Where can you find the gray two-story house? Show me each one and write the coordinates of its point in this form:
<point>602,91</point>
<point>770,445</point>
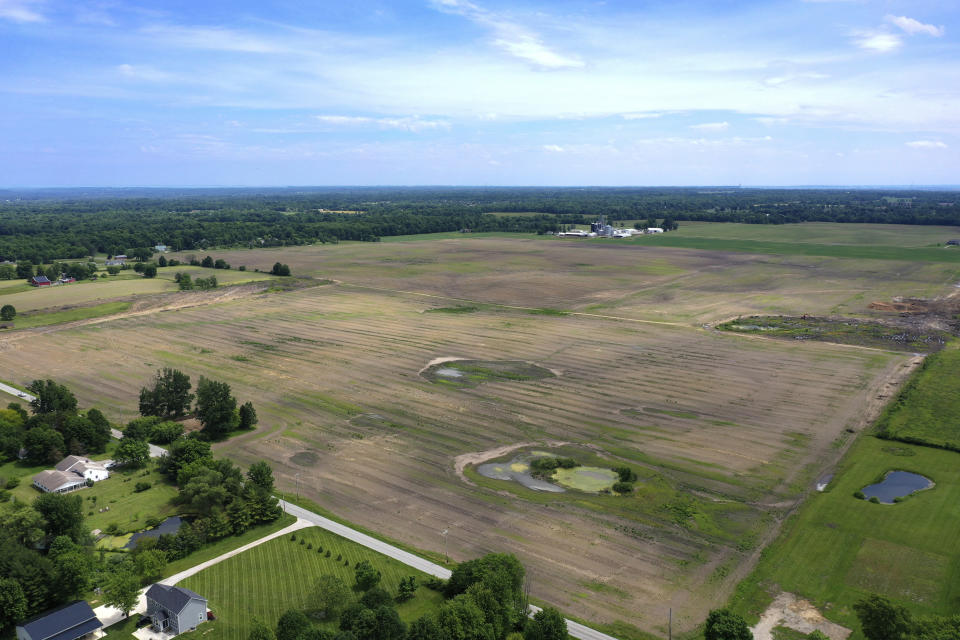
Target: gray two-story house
<point>175,609</point>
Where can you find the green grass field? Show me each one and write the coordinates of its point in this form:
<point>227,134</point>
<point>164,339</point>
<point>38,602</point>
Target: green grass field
<point>275,576</point>
<point>862,252</point>
<point>41,319</point>
<point>926,409</point>
<point>837,549</point>
<point>891,235</point>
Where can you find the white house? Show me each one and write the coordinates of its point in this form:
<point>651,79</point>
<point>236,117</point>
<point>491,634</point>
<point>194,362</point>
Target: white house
<point>654,230</point>
<point>84,467</point>
<point>50,481</point>
<point>160,248</point>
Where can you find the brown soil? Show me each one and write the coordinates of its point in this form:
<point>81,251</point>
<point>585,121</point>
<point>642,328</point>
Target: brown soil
<point>798,614</point>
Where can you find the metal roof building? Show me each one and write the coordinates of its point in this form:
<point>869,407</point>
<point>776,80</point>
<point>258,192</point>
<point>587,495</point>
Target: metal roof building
<point>70,622</point>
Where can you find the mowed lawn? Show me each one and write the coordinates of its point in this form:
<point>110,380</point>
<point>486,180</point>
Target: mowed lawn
<point>838,548</point>
<point>278,575</point>
<point>922,406</point>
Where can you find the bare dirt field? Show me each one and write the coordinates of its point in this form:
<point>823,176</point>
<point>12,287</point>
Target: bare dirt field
<point>631,280</point>
<point>726,432</point>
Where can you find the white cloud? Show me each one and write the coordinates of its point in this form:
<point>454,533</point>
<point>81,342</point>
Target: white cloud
<point>553,148</point>
<point>711,126</point>
<point>877,41</point>
<point>927,144</point>
<point>913,27</point>
<point>414,125</point>
<point>214,38</point>
<point>510,36</point>
<point>20,11</point>
<point>641,116</point>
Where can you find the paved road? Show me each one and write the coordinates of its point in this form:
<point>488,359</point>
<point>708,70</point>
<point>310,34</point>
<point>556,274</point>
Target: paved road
<point>155,451</point>
<point>16,392</point>
<point>577,630</point>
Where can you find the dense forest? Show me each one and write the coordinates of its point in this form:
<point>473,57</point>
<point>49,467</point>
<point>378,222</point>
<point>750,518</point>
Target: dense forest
<point>46,224</point>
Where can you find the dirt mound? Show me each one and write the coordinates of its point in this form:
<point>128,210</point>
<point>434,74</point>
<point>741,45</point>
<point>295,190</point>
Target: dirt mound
<point>789,610</point>
<point>908,306</point>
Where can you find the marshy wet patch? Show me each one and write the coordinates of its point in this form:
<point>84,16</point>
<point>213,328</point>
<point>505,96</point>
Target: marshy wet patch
<point>305,458</point>
<point>470,373</point>
<point>895,486</point>
<point>556,476</point>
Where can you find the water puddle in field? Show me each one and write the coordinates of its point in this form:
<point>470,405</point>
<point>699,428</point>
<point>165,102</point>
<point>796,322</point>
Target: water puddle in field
<point>517,470</point>
<point>897,484</point>
<point>824,481</point>
<point>449,372</point>
<point>169,526</point>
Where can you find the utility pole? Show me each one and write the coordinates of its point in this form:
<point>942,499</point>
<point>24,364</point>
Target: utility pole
<point>444,533</point>
<point>296,477</point>
<point>670,625</point>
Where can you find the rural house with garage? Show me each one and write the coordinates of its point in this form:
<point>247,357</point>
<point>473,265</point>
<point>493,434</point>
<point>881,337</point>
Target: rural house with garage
<point>71,473</point>
<point>84,467</point>
<point>174,609</point>
<point>71,622</point>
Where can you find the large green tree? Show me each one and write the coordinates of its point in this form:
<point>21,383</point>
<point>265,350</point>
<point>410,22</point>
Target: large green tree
<point>132,453</point>
<point>122,591</point>
<point>50,397</point>
<point>13,603</point>
<point>546,624</point>
<point>63,515</point>
<point>881,619</point>
<point>328,597</point>
<point>169,396</point>
<point>216,408</point>
<point>8,312</point>
<point>723,624</point>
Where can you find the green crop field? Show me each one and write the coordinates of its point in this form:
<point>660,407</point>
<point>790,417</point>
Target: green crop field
<point>43,319</point>
<point>926,410</point>
<point>862,252</point>
<point>889,235</point>
<point>267,580</point>
<point>837,549</point>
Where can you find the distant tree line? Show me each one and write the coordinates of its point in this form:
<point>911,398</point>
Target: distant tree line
<point>45,225</point>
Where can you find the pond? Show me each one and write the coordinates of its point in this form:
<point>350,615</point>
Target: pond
<point>517,470</point>
<point>897,484</point>
<point>168,526</point>
<point>449,372</point>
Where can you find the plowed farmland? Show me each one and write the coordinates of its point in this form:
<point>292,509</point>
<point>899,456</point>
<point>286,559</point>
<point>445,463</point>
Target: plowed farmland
<point>726,432</point>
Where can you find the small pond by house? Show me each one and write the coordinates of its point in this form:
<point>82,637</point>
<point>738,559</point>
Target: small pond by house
<point>896,484</point>
<point>169,526</point>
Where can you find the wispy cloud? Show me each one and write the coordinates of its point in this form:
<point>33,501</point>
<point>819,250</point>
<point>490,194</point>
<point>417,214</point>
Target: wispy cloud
<point>553,148</point>
<point>927,144</point>
<point>414,125</point>
<point>877,40</point>
<point>913,27</point>
<point>214,38</point>
<point>711,126</point>
<point>511,36</point>
<point>21,11</point>
<point>641,116</point>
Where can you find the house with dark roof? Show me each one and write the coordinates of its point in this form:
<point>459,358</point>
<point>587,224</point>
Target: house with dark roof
<point>175,610</point>
<point>40,281</point>
<point>70,622</point>
<point>84,467</point>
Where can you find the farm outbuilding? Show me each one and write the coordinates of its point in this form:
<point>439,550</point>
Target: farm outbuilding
<point>40,281</point>
<point>71,622</point>
<point>954,242</point>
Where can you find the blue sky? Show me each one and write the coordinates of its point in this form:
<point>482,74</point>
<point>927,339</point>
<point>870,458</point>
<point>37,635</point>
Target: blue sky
<point>479,92</point>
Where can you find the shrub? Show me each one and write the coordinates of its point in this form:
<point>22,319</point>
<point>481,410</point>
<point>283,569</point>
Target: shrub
<point>567,463</point>
<point>859,495</point>
<point>12,483</point>
<point>89,482</point>
<point>302,541</point>
<point>339,557</point>
<point>141,486</point>
<point>875,500</point>
<point>327,554</point>
<point>623,487</point>
<point>113,528</point>
<point>293,537</point>
<point>309,545</point>
<point>626,474</point>
<point>152,522</point>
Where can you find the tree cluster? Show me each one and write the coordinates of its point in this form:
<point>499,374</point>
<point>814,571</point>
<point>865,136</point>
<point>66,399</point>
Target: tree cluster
<point>56,428</point>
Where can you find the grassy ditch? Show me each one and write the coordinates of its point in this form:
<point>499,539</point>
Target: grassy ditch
<point>841,331</point>
<point>926,409</point>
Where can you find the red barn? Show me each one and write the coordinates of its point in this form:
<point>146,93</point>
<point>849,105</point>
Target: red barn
<point>40,281</point>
